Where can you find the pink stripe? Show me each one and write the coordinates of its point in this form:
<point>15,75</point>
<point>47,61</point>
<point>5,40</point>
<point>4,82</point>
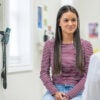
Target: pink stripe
<point>70,75</point>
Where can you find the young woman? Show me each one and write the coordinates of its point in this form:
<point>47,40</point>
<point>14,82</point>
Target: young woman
<point>67,56</point>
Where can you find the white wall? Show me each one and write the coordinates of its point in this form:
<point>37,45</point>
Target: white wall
<point>27,85</point>
<point>1,28</point>
<point>89,12</point>
<point>1,14</point>
<point>52,8</point>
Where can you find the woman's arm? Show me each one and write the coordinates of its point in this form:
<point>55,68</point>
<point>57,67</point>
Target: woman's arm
<point>88,51</point>
<point>45,69</point>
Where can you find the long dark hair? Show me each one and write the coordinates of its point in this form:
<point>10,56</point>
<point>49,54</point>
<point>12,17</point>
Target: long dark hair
<point>58,40</point>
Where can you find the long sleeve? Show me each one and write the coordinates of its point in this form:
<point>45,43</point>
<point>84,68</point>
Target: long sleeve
<point>45,69</point>
<point>88,51</point>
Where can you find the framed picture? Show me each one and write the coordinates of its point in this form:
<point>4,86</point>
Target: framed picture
<point>40,17</point>
<point>93,30</point>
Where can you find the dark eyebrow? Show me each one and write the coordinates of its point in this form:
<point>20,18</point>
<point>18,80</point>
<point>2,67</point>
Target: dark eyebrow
<point>73,19</point>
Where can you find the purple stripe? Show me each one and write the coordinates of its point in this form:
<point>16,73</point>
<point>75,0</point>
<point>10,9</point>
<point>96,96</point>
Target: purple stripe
<point>70,74</point>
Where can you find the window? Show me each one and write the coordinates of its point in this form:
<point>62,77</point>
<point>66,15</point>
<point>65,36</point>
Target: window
<point>19,53</point>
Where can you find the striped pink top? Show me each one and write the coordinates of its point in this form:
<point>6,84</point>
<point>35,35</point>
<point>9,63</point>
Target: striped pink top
<point>70,75</point>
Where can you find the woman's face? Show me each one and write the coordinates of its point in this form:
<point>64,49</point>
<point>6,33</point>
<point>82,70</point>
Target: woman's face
<point>68,22</point>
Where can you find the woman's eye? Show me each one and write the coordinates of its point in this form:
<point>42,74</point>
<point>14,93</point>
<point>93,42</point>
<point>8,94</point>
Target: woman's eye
<point>73,20</point>
<point>66,20</point>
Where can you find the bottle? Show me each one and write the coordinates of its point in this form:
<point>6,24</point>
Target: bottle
<point>45,37</point>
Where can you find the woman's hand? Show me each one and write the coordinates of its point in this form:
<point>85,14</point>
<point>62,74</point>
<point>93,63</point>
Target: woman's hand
<point>60,96</point>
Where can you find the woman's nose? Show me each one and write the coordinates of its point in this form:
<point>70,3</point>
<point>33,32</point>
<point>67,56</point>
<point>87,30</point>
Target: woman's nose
<point>70,23</point>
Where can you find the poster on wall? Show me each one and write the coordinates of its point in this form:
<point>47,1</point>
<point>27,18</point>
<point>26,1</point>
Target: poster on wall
<point>39,22</point>
<point>93,30</point>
